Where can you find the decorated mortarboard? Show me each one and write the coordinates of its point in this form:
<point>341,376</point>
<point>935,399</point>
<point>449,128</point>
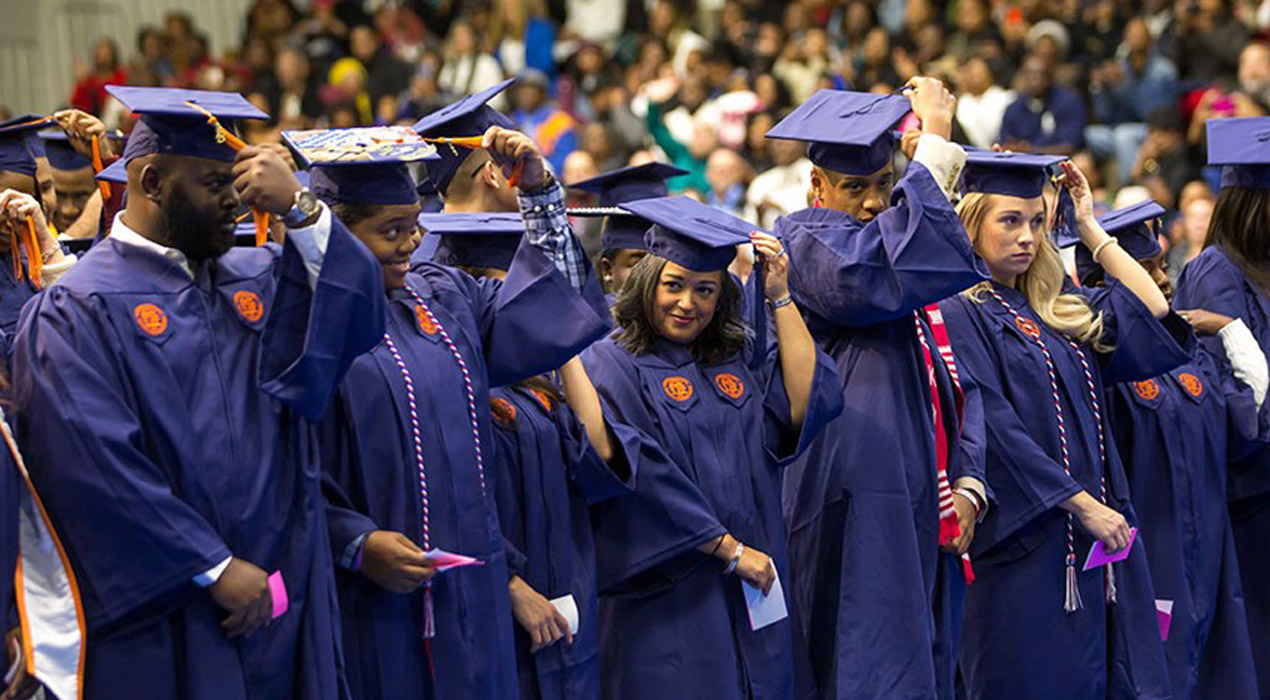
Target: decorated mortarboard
<point>689,233</point>
<point>18,143</point>
<point>475,239</point>
<point>1242,147</point>
<point>848,132</point>
<point>61,154</point>
<point>1133,229</point>
<point>1022,175</point>
<point>454,127</point>
<point>366,165</point>
<point>626,185</point>
<point>197,123</point>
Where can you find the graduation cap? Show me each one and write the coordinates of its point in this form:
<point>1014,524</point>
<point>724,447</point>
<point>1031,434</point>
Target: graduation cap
<point>1132,229</point>
<point>61,154</point>
<point>180,122</point>
<point>430,199</point>
<point>366,165</point>
<point>19,143</point>
<point>1242,147</point>
<point>626,185</point>
<point>1022,175</point>
<point>849,132</point>
<point>475,239</point>
<point>468,117</point>
<point>689,233</point>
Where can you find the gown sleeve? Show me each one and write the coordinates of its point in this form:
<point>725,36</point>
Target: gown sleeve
<point>646,540</point>
<point>594,479</point>
<point>972,444</point>
<point>509,484</point>
<point>1025,479</point>
<point>784,442</point>
<point>1142,345</point>
<point>316,328</point>
<point>346,524</point>
<point>138,546</point>
<point>1213,283</point>
<point>852,274</point>
<point>534,320</point>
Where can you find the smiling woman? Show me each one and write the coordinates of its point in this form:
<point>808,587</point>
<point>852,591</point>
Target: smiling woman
<point>700,310</point>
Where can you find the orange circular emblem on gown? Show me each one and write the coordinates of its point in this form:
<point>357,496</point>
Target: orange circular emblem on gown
<point>1029,327</point>
<point>543,398</point>
<point>248,305</point>
<point>426,324</point>
<point>150,318</point>
<point>730,384</point>
<point>677,388</point>
<point>1147,390</point>
<point>1191,383</point>
<point>503,411</point>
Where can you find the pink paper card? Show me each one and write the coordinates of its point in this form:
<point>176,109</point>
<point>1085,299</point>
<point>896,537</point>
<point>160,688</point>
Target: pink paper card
<point>279,591</point>
<point>1164,612</point>
<point>444,561</point>
<point>1098,553</point>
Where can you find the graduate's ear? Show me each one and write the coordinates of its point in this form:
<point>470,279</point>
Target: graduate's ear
<point>817,193</point>
<point>490,176</point>
<point>150,180</point>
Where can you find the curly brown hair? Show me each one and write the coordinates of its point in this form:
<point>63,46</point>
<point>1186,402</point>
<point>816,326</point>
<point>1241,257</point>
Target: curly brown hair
<point>1239,222</point>
<point>721,339</point>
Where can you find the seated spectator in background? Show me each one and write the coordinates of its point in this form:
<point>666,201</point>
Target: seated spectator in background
<point>346,87</point>
<point>802,63</point>
<point>1222,102</point>
<point>1209,40</point>
<point>386,74</point>
<point>1254,72</point>
<point>542,120</point>
<point>466,69</point>
<point>783,188</point>
<point>1163,153</point>
<point>691,157</point>
<point>728,175</point>
<point>981,102</point>
<point>1190,229</point>
<point>1047,117</point>
<point>598,143</point>
<point>974,26</point>
<point>89,94</point>
<point>1126,92</point>
<point>423,96</point>
<point>873,62</point>
<point>292,90</point>
<point>151,64</point>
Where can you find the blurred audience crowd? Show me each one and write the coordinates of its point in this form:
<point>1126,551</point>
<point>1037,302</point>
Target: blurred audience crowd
<point>1123,86</point>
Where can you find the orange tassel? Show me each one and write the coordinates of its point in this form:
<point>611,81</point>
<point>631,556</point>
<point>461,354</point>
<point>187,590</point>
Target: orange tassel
<point>34,259</point>
<point>261,220</point>
<point>98,166</point>
<point>475,142</point>
<point>15,251</point>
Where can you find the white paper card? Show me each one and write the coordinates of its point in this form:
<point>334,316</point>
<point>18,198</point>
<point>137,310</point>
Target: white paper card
<point>569,608</point>
<point>765,609</point>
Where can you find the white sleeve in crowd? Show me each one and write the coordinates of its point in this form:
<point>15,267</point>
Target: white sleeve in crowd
<point>311,242</point>
<point>943,159</point>
<point>1246,358</point>
<point>52,272</point>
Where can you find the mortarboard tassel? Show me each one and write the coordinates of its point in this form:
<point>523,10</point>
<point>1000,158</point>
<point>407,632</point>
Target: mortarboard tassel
<point>1073,602</point>
<point>15,251</point>
<point>34,259</point>
<point>227,137</point>
<point>475,142</point>
<point>98,166</point>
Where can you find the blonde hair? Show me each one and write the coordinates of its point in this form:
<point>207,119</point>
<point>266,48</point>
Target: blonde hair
<point>1042,282</point>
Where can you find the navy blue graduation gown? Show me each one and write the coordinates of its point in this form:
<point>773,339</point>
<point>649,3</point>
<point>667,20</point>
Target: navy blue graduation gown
<point>167,423</point>
<point>717,437</point>
<point>1018,643</point>
<point>1171,431</point>
<point>14,294</point>
<point>548,474</point>
<point>9,503</point>
<point>529,323</point>
<point>1213,282</point>
<point>872,586</point>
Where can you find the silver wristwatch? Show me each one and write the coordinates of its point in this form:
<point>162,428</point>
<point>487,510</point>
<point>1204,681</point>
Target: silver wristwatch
<point>304,207</point>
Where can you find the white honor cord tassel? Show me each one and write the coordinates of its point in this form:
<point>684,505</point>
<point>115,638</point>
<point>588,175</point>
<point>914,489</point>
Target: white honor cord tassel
<point>1111,584</point>
<point>1073,601</point>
